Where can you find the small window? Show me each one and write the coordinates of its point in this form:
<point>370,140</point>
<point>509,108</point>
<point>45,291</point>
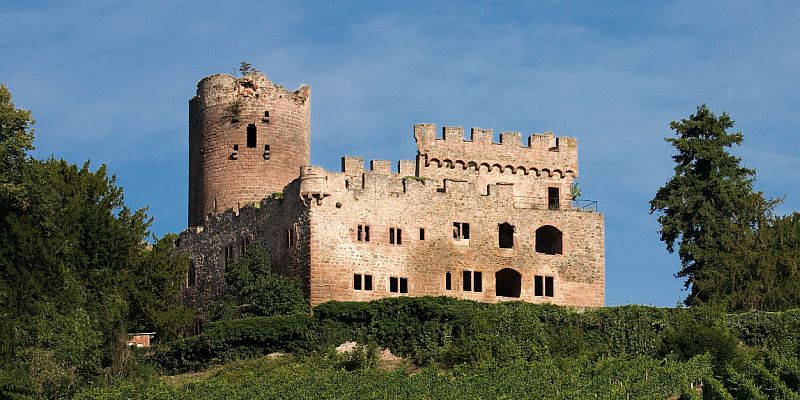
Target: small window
<point>398,285</point>
<point>460,231</point>
<point>506,233</point>
<point>448,281</point>
<point>266,152</point>
<point>266,114</point>
<point>363,233</point>
<point>552,198</point>
<point>228,251</point>
<point>362,282</point>
<point>395,236</point>
<point>543,286</point>
<point>251,135</point>
<point>421,233</point>
<point>291,237</point>
<point>472,281</point>
<point>191,277</point>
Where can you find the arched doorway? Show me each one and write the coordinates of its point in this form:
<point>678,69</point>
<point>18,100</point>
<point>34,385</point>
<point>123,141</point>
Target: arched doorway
<point>507,283</point>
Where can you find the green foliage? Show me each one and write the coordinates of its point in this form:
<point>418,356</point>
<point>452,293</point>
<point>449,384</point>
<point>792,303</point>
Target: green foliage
<point>416,178</point>
<point>574,190</point>
<point>71,255</point>
<point>155,291</point>
<point>235,339</point>
<point>253,289</point>
<point>735,254</point>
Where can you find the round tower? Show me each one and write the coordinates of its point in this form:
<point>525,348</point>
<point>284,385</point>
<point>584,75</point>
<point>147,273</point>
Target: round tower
<point>248,138</point>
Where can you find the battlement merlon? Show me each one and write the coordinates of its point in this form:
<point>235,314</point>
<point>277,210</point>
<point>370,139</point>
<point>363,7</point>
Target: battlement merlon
<point>543,151</point>
<point>223,89</point>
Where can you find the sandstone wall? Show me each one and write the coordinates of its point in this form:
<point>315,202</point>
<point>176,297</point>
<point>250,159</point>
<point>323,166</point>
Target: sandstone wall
<point>224,173</point>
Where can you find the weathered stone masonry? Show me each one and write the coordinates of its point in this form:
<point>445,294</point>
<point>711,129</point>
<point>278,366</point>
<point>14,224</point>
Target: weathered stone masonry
<point>469,218</point>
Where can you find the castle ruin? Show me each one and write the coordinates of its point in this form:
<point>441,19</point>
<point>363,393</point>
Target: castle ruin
<point>468,218</point>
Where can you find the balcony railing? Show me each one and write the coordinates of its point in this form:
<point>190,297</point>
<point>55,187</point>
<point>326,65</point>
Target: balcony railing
<point>549,203</point>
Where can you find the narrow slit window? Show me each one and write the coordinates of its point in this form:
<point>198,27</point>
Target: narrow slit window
<point>391,235</point>
<point>421,233</point>
<point>467,281</point>
<point>367,282</point>
<point>191,278</point>
<point>448,281</point>
<point>266,151</point>
<point>548,286</point>
<point>251,135</point>
<point>403,285</point>
<point>477,281</point>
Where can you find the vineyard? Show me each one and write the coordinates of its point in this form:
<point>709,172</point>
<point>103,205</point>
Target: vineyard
<point>463,349</point>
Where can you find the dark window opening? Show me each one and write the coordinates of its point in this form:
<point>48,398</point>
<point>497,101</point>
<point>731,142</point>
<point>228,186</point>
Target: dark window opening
<point>403,285</point>
<point>363,233</point>
<point>367,282</point>
<point>552,198</point>
<point>393,284</point>
<point>228,254</point>
<point>198,327</point>
<point>473,281</point>
<point>460,230</point>
<point>448,281</point>
<point>395,236</point>
<point>421,233</point>
<point>266,117</point>
<point>543,286</point>
<point>251,135</point>
<point>191,278</point>
<point>506,232</point>
<point>266,151</point>
<point>235,154</point>
<point>508,283</point>
<point>549,240</point>
<point>357,281</point>
<point>291,238</point>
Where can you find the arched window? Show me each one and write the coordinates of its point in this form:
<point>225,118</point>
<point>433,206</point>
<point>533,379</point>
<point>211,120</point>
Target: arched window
<point>191,276</point>
<point>448,281</point>
<point>506,232</point>
<point>548,240</point>
<point>508,283</point>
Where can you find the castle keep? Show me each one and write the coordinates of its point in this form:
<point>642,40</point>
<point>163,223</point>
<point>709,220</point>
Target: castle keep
<point>468,218</point>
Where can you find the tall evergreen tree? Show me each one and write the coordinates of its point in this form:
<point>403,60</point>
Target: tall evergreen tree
<point>709,208</point>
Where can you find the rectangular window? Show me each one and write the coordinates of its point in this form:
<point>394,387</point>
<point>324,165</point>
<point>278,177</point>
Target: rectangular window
<point>403,285</point>
<point>251,135</point>
<point>543,286</point>
<point>472,281</point>
<point>421,233</point>
<point>291,238</point>
<point>228,254</point>
<point>552,198</point>
<point>448,281</point>
<point>393,284</point>
<point>266,152</point>
<point>460,230</point>
<point>362,282</point>
<point>363,233</point>
<point>395,236</point>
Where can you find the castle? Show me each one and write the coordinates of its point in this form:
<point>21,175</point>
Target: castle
<point>469,218</point>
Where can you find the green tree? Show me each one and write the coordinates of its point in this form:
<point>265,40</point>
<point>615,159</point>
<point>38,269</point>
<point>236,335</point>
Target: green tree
<point>155,291</point>
<point>16,140</point>
<point>254,289</point>
<point>709,208</point>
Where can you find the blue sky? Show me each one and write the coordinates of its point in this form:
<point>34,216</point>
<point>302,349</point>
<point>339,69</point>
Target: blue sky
<point>110,82</point>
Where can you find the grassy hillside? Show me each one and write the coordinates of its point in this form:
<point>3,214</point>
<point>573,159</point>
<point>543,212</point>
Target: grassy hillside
<point>465,349</point>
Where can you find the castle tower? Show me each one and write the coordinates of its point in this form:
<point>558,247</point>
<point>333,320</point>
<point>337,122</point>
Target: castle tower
<point>248,138</point>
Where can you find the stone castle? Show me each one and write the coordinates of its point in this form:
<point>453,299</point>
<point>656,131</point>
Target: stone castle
<point>468,218</point>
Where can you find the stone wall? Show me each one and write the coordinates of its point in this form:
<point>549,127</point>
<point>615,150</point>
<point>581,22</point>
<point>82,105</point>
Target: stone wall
<point>224,172</point>
<point>382,200</point>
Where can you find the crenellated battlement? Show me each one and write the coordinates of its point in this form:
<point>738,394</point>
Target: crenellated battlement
<point>543,152</point>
